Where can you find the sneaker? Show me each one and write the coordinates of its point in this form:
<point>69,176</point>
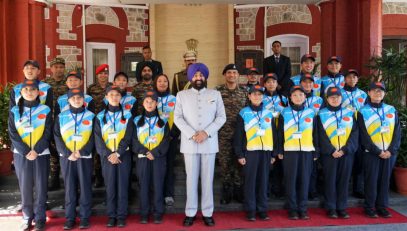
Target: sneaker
<point>121,223</point>
<point>158,219</point>
<point>371,213</point>
<point>264,216</point>
<point>169,201</point>
<point>303,215</point>
<point>26,225</point>
<point>332,214</point>
<point>69,224</point>
<point>111,222</point>
<point>251,216</point>
<point>383,213</point>
<point>39,225</point>
<point>343,214</point>
<point>293,215</point>
<point>84,224</point>
<point>144,219</point>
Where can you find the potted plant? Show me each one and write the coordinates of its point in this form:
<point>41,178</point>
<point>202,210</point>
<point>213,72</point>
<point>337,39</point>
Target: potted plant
<point>6,156</point>
<point>391,68</point>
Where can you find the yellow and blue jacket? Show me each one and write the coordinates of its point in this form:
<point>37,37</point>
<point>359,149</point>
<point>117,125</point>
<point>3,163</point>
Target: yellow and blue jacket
<point>113,131</point>
<point>297,130</point>
<point>337,130</point>
<point>45,94</point>
<point>329,80</point>
<point>166,107</point>
<point>275,103</point>
<point>63,104</point>
<point>150,136</point>
<point>74,123</point>
<point>313,102</point>
<point>353,98</point>
<point>32,130</point>
<point>379,127</point>
<point>127,101</point>
<point>255,131</point>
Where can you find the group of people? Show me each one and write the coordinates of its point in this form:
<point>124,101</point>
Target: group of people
<point>254,128</point>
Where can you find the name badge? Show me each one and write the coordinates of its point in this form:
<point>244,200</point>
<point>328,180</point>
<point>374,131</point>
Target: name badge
<point>341,131</point>
<point>275,114</point>
<point>384,129</point>
<point>351,108</point>
<point>166,115</point>
<point>297,135</point>
<point>141,156</point>
<point>29,128</point>
<point>77,138</point>
<point>261,132</point>
<point>112,135</point>
<point>152,139</point>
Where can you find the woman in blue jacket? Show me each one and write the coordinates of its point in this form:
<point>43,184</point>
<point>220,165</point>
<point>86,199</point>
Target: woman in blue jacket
<point>150,144</point>
<point>29,125</point>
<point>113,131</point>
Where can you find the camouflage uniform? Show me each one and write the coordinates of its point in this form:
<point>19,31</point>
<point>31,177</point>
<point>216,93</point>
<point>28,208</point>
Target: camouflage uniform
<point>58,88</point>
<point>98,94</point>
<point>138,93</point>
<point>179,82</point>
<point>234,101</point>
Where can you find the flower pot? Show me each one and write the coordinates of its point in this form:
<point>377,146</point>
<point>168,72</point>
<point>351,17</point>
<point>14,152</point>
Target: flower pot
<point>6,158</point>
<point>400,176</point>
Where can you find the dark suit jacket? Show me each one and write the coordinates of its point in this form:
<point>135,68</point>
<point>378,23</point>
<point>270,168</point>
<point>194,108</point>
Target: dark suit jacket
<point>158,69</point>
<point>282,69</point>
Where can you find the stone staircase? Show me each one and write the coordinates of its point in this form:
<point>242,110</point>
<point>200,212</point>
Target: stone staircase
<point>10,197</point>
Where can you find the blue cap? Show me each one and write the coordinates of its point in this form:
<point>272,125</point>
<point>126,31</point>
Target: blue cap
<point>256,87</point>
<point>377,85</point>
<point>75,91</point>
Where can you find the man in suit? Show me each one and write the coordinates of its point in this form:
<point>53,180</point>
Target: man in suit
<point>281,65</point>
<point>199,114</point>
<point>147,58</point>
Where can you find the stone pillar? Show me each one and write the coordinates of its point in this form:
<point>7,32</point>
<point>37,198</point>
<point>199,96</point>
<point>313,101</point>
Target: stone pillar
<point>22,37</point>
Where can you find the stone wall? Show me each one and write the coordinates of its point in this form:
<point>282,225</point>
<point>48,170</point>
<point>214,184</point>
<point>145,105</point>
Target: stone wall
<point>64,20</point>
<point>137,27</point>
<point>70,54</point>
<point>101,15</point>
<point>394,7</point>
<point>317,49</point>
<point>246,20</point>
<point>288,13</point>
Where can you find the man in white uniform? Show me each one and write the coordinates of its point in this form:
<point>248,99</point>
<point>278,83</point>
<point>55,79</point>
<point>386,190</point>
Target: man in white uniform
<point>199,114</point>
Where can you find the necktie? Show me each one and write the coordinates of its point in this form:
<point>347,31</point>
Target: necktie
<point>277,59</point>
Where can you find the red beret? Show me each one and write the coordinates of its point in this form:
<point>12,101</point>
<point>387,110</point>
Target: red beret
<point>102,67</point>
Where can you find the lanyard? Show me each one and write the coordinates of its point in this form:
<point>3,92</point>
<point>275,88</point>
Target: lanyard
<point>308,103</point>
<point>333,80</point>
<point>382,119</point>
<point>350,98</point>
<point>151,126</point>
<point>123,99</point>
<point>338,120</point>
<point>258,116</point>
<point>299,117</point>
<point>273,99</point>
<point>114,119</point>
<point>163,102</point>
<point>75,118</point>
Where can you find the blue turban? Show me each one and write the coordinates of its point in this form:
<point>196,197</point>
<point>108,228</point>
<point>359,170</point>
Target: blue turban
<point>194,68</point>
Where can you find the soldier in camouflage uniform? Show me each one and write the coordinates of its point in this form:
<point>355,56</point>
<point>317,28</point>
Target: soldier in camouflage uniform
<point>234,98</point>
<point>180,81</point>
<point>146,83</point>
<point>57,83</point>
<point>97,91</point>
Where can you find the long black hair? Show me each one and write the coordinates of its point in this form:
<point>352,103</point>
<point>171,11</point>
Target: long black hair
<point>106,109</point>
<point>20,104</point>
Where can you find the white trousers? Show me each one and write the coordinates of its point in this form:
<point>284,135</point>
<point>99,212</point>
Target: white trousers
<point>199,164</point>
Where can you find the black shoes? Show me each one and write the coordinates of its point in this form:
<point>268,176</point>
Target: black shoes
<point>121,223</point>
<point>332,214</point>
<point>264,216</point>
<point>69,225</point>
<point>343,214</point>
<point>84,224</point>
<point>371,213</point>
<point>158,219</point>
<point>293,215</point>
<point>383,213</point>
<point>303,215</point>
<point>39,225</point>
<point>227,194</point>
<point>143,219</point>
<point>188,221</point>
<point>111,222</point>
<point>209,221</point>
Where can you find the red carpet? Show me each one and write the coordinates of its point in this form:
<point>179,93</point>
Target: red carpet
<point>236,220</point>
